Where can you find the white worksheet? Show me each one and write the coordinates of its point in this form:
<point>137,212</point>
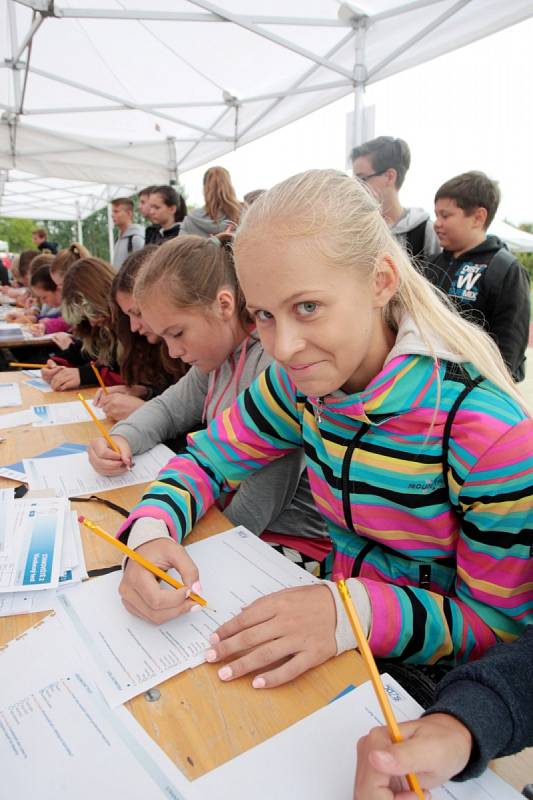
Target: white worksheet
<point>31,540</point>
<point>129,655</point>
<point>315,758</point>
<point>10,395</point>
<point>58,738</point>
<point>73,475</point>
<point>64,413</point>
<point>16,418</point>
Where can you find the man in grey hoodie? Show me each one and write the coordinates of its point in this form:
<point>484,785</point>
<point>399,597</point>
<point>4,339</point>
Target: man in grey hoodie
<point>130,236</point>
<point>382,163</point>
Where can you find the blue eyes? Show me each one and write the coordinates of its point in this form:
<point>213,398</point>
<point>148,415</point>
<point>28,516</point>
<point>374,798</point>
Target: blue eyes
<point>263,316</point>
<point>305,309</point>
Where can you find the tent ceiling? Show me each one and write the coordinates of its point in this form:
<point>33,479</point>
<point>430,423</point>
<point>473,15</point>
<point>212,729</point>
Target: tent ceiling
<point>132,92</point>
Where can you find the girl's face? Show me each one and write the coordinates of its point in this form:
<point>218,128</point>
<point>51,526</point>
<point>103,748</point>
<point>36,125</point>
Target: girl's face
<point>128,306</point>
<point>203,338</point>
<point>48,297</point>
<point>321,323</point>
<point>160,213</point>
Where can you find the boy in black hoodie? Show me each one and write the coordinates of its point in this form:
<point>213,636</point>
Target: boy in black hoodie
<point>476,271</point>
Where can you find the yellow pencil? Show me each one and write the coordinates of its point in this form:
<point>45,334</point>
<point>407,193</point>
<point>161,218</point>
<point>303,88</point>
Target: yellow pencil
<point>29,366</point>
<point>366,652</point>
<point>99,425</point>
<point>99,377</point>
<point>164,576</point>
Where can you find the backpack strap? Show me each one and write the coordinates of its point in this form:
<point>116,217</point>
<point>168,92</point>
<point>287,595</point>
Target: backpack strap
<point>415,240</point>
<point>457,373</point>
<point>130,243</point>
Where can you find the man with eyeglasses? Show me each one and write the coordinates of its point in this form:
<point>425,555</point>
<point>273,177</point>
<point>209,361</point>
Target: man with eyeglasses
<point>382,164</point>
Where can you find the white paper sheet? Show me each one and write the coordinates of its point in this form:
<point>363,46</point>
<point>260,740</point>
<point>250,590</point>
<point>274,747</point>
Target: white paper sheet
<point>59,740</point>
<point>315,758</point>
<point>64,413</point>
<point>73,475</point>
<point>10,395</point>
<point>129,655</point>
<point>31,539</point>
<point>16,418</point>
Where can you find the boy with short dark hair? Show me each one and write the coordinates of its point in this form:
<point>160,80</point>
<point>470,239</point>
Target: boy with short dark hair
<point>477,272</point>
<point>130,235</point>
<point>40,240</point>
<point>382,164</point>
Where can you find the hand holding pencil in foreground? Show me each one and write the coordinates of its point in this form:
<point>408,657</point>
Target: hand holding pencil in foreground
<point>436,747</point>
<point>384,702</point>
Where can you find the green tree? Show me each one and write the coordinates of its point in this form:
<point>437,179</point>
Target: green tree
<point>17,233</point>
<point>61,231</point>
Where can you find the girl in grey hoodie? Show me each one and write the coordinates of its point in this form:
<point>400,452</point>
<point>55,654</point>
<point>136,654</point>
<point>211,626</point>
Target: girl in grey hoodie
<point>189,296</point>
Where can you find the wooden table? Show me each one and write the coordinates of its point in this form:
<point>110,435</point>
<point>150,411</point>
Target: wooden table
<point>198,721</point>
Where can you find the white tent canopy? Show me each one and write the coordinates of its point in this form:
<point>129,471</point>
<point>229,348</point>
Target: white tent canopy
<point>130,92</point>
<point>517,240</point>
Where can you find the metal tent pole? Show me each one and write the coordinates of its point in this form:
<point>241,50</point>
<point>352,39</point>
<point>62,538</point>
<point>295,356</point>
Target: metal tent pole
<point>110,232</point>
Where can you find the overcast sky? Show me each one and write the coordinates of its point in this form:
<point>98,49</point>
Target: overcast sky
<point>471,109</point>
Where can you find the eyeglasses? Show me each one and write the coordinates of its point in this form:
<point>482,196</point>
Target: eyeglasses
<point>366,178</point>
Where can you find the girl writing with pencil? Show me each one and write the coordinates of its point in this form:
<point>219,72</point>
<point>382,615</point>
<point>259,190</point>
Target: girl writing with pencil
<point>418,449</point>
<point>145,366</point>
<point>86,289</point>
<point>188,294</point>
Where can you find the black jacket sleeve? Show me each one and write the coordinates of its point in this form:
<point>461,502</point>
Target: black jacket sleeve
<point>493,697</point>
<point>510,316</point>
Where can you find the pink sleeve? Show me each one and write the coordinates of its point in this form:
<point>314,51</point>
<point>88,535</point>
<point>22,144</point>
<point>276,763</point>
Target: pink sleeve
<point>55,325</point>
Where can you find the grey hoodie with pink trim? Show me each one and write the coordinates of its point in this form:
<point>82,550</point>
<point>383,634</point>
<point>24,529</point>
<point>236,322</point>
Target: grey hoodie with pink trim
<point>278,497</point>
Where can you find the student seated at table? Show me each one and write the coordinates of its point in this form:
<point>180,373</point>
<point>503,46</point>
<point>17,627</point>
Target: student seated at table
<point>49,295</point>
<point>64,261</point>
<point>85,305</point>
<point>482,710</point>
<point>188,294</point>
<point>21,275</point>
<point>418,450</point>
<point>30,305</point>
<point>145,366</point>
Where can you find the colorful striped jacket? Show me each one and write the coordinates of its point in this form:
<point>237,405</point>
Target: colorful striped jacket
<point>448,570</point>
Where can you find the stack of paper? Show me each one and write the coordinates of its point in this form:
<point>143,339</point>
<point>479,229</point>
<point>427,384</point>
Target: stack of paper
<point>40,553</point>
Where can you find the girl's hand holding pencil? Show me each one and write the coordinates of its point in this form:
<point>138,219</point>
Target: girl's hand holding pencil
<point>106,460</point>
<point>143,595</point>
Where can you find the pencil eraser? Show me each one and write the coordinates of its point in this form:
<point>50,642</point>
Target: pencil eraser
<point>81,518</point>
